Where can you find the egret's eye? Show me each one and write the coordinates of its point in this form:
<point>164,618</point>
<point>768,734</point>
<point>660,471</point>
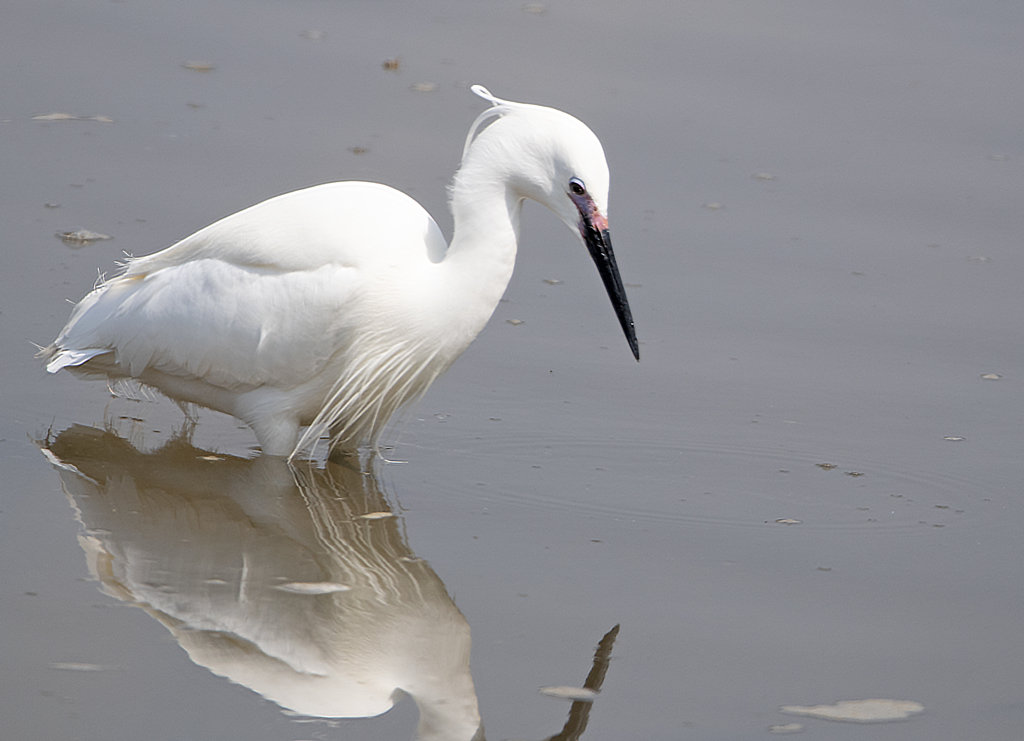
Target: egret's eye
<point>577,187</point>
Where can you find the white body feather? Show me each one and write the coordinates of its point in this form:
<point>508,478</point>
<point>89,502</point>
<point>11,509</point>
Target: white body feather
<point>329,307</point>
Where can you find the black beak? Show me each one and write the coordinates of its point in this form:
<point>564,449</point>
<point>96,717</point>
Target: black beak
<point>599,244</point>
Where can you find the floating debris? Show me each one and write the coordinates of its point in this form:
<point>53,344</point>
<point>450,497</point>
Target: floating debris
<point>313,587</point>
<point>553,281</point>
<point>954,438</point>
<point>199,66</point>
<point>576,694</point>
<point>826,466</point>
<point>535,8</point>
<point>391,65</point>
<point>786,728</point>
<point>358,150</point>
<point>788,521</point>
<point>991,376</point>
<point>714,206</point>
<point>75,666</point>
<point>424,87</point>
<point>763,176</point>
<point>859,711</point>
<point>376,515</point>
<point>855,474</point>
<point>514,322</point>
<point>70,117</point>
<point>81,237</point>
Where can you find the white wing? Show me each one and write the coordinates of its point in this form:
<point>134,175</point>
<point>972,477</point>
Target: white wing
<point>264,296</point>
<point>354,224</point>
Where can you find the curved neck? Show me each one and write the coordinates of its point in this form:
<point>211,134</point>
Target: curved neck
<point>482,253</point>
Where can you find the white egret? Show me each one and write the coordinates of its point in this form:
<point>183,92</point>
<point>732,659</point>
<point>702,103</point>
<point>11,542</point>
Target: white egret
<point>332,307</point>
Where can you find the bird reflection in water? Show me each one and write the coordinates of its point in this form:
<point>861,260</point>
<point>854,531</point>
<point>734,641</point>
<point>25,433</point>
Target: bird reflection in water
<point>295,581</point>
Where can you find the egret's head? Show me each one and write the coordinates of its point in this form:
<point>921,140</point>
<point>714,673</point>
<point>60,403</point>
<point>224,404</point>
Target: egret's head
<point>546,155</point>
<point>552,158</point>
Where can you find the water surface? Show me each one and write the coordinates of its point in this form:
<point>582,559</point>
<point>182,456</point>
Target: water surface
<point>807,491</point>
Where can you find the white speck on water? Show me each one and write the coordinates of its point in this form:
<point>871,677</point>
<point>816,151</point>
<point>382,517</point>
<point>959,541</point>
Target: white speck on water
<point>75,666</point>
<point>71,117</point>
<point>576,694</point>
<point>81,237</point>
<point>786,728</point>
<point>314,587</point>
<point>376,515</point>
<point>859,711</point>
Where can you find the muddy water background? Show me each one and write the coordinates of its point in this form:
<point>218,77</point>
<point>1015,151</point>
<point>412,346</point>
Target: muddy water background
<point>817,209</point>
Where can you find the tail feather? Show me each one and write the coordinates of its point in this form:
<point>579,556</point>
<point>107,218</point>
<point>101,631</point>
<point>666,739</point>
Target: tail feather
<point>64,358</point>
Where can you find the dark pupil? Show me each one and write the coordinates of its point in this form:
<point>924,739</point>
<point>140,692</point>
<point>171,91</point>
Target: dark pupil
<point>577,187</point>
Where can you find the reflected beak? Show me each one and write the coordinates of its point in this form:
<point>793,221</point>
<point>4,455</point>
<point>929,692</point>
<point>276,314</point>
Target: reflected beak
<point>594,228</point>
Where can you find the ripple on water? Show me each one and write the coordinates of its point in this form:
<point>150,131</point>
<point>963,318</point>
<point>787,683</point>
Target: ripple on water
<point>719,484</point>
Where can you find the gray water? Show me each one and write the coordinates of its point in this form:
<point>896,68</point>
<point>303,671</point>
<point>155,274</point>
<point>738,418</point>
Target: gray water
<point>807,490</point>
